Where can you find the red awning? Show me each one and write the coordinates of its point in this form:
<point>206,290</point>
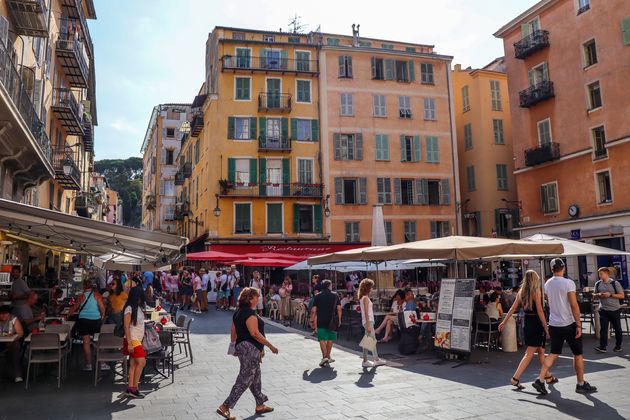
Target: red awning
<point>264,262</point>
<point>303,250</point>
<point>212,256</point>
<point>273,255</point>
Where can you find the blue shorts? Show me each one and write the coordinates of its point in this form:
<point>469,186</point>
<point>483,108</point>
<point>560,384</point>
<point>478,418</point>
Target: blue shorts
<point>236,292</point>
<point>223,295</point>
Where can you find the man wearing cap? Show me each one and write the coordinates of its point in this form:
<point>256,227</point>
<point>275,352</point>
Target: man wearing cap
<point>10,326</point>
<point>564,325</point>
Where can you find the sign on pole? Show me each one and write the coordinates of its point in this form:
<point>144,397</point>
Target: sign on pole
<point>454,319</point>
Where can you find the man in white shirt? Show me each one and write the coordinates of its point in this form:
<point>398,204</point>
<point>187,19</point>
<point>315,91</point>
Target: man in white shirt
<point>204,290</point>
<point>564,325</point>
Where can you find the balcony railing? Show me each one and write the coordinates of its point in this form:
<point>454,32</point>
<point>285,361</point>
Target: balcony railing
<point>537,93</point>
<point>533,42</point>
<point>601,153</point>
<point>182,209</point>
<point>85,204</point>
<point>196,124</point>
<point>268,64</point>
<point>11,81</point>
<point>67,172</point>
<point>88,136</point>
<point>179,178</point>
<point>72,56</point>
<point>74,10</point>
<point>274,102</point>
<point>187,170</point>
<point>274,144</point>
<point>30,17</point>
<point>270,189</point>
<point>68,111</point>
<point>542,154</point>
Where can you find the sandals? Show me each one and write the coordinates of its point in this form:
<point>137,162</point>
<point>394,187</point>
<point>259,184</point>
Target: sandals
<point>225,414</point>
<point>265,409</point>
<point>551,379</point>
<point>517,383</point>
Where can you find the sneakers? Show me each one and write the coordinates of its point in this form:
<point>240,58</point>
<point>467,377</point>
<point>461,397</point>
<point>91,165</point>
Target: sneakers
<point>18,379</point>
<point>540,387</point>
<point>367,364</point>
<point>331,360</point>
<point>617,349</point>
<point>600,349</point>
<point>380,362</point>
<point>323,362</point>
<point>585,388</point>
<point>87,368</point>
<point>134,394</point>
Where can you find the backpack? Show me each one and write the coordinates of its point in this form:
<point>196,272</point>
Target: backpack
<point>151,341</point>
<point>614,283</point>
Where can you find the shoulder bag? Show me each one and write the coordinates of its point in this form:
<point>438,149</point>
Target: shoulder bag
<point>334,321</point>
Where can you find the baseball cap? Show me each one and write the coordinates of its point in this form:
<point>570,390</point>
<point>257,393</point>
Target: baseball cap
<point>557,264</point>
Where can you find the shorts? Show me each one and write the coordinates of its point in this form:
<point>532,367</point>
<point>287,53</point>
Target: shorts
<point>324,334</point>
<point>137,353</point>
<point>187,291</point>
<point>88,326</point>
<point>173,289</point>
<point>223,294</point>
<point>561,334</point>
<point>236,292</point>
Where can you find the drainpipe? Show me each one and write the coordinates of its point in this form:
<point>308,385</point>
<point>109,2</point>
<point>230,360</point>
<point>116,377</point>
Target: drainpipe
<point>454,157</point>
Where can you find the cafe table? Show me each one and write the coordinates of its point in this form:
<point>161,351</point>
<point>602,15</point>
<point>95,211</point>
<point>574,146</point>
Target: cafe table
<point>8,338</point>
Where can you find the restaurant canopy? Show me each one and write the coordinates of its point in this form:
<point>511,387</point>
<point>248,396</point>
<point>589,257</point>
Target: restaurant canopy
<point>264,262</point>
<point>79,235</point>
<point>448,248</point>
<point>212,256</point>
<point>275,255</point>
<point>350,266</point>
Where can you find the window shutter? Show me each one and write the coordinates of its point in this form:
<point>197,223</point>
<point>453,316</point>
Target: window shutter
<point>349,66</point>
<point>262,176</point>
<point>359,146</point>
<point>314,130</point>
<point>446,229</point>
<point>262,128</point>
<point>530,76</point>
<point>373,67</point>
<point>525,30</point>
<point>387,187</point>
<point>397,193</point>
<point>286,177</point>
<point>497,222</point>
<point>434,233</point>
<point>253,171</point>
<point>231,128</point>
<point>417,151</point>
<point>252,128</point>
<point>545,71</point>
<point>296,218</point>
<point>337,145</point>
<point>625,30</point>
<point>385,146</point>
<point>342,67</point>
<point>294,129</point>
<point>445,192</point>
<point>4,31</point>
<point>362,190</point>
<point>403,154</point>
<point>389,69</point>
<point>285,128</point>
<point>338,190</point>
<point>285,59</point>
<point>317,218</point>
<point>37,95</point>
<point>263,57</point>
<point>231,170</point>
<point>412,71</point>
<point>543,206</point>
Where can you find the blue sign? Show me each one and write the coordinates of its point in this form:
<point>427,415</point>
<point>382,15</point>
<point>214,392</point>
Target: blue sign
<point>576,234</point>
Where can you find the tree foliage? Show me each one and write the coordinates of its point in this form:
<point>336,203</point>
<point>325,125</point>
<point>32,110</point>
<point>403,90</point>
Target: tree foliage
<point>125,177</point>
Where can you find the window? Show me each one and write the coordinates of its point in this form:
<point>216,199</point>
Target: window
<point>410,231</point>
<point>350,190</point>
<point>352,232</point>
<point>407,197</point>
<point>426,70</point>
<point>599,142</point>
<point>243,58</point>
<point>403,70</point>
<point>433,150</point>
<point>345,67</point>
<point>440,229</point>
<point>502,180</point>
<point>303,91</point>
<point>625,30</point>
<point>366,44</point>
<point>470,178</point>
<point>167,187</point>
<point>429,109</point>
<point>379,105</point>
<point>332,41</point>
<point>410,49</point>
<point>538,75</point>
<point>348,146</point>
<point>378,71</point>
<point>387,46</point>
<point>274,218</point>
<point>303,61</point>
<point>242,169</point>
<point>197,151</point>
<point>388,232</point>
<point>170,157</point>
<point>307,219</point>
<point>549,198</point>
<point>304,130</point>
<point>242,218</point>
<point>242,88</point>
<point>468,140</point>
<point>346,104</point>
<point>305,171</point>
<point>384,190</point>
<point>268,38</point>
<point>294,40</point>
<point>603,187</point>
<point>594,96</point>
<point>583,6</point>
<point>404,106</point>
<point>495,90</point>
<point>243,127</point>
<point>465,99</point>
<point>590,53</point>
<point>497,128</point>
<point>382,147</point>
<point>410,149</point>
<point>238,35</point>
<point>170,132</point>
<point>544,132</point>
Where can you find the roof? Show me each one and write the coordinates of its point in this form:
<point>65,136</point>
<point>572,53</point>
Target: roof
<point>535,9</point>
<point>260,31</point>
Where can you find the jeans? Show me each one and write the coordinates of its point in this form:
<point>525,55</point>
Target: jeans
<point>610,317</point>
<point>373,335</point>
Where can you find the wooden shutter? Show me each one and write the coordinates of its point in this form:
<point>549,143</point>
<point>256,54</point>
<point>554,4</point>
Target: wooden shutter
<point>296,218</point>
<point>231,132</point>
<point>285,129</point>
<point>262,176</point>
<point>263,57</point>
<point>397,192</point>
<point>446,229</point>
<point>390,69</point>
<point>317,218</point>
<point>349,66</point>
<point>338,190</point>
<point>434,231</point>
<point>253,171</point>
<point>362,190</point>
<point>358,146</point>
<point>337,145</point>
<point>373,67</point>
<point>286,177</point>
<point>420,195</point>
<point>543,201</point>
<point>387,187</point>
<point>445,192</point>
<point>252,128</point>
<point>294,129</point>
<point>262,128</point>
<point>342,67</point>
<point>625,31</point>
<point>403,149</point>
<point>417,150</point>
<point>412,71</point>
<point>231,170</point>
<point>285,59</point>
<point>314,130</point>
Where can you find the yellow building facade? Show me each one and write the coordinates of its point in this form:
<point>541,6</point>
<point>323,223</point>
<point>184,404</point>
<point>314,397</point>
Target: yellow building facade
<point>486,165</point>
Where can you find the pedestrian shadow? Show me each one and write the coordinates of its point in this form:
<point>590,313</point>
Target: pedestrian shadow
<point>319,375</point>
<point>366,378</point>
<point>577,409</point>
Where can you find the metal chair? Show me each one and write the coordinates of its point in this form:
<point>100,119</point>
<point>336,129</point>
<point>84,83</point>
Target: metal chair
<point>587,314</point>
<point>108,328</point>
<point>45,348</point>
<point>485,325</point>
<point>165,355</point>
<point>67,345</point>
<point>183,338</point>
<point>109,350</point>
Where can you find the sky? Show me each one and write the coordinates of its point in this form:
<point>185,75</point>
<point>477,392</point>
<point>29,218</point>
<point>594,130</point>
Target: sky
<point>149,52</point>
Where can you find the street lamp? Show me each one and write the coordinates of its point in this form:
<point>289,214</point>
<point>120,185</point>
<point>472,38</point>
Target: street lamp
<point>67,165</point>
<point>185,127</point>
<point>217,209</point>
<point>326,208</point>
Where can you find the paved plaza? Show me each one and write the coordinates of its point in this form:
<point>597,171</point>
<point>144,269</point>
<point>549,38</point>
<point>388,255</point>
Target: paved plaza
<point>413,387</point>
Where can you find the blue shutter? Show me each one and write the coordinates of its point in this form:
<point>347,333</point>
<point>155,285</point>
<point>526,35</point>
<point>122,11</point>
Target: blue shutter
<point>338,190</point>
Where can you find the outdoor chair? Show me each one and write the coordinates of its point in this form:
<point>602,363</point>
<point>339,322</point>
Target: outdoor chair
<point>484,326</point>
<point>300,314</point>
<point>351,320</point>
<point>165,356</point>
<point>45,348</point>
<point>587,314</point>
<point>274,310</point>
<point>108,328</point>
<point>66,346</point>
<point>182,338</point>
<point>109,350</point>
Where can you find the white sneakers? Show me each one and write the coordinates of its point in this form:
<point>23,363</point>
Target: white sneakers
<point>105,366</point>
<point>379,362</point>
<point>87,368</point>
<point>18,379</point>
<point>323,362</point>
<point>367,364</point>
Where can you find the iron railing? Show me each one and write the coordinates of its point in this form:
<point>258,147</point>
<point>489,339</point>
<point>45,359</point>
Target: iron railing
<point>274,143</point>
<point>30,17</point>
<point>267,64</point>
<point>270,189</point>
<point>274,102</point>
<point>68,43</point>
<point>179,178</point>
<point>62,161</point>
<point>533,42</point>
<point>542,154</point>
<point>63,98</point>
<point>187,170</point>
<point>537,93</point>
<point>74,9</point>
<point>196,124</point>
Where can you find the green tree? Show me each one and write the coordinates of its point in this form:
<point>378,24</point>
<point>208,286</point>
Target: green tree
<point>125,177</point>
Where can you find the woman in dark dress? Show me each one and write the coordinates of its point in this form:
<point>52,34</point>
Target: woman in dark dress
<point>248,338</point>
<point>536,329</point>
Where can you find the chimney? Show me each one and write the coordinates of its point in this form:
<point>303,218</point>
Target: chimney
<point>458,67</point>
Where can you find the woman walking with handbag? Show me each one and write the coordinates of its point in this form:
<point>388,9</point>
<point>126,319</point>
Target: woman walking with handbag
<point>91,310</point>
<point>367,320</point>
<point>132,343</point>
<point>248,334</point>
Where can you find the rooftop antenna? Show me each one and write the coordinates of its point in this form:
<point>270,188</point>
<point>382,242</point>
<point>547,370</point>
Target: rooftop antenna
<point>295,25</point>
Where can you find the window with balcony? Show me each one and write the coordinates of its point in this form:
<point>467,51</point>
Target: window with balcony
<point>409,227</point>
<point>426,73</point>
<point>382,147</point>
<point>429,109</point>
<point>599,142</point>
<point>243,58</point>
<point>352,232</point>
<point>242,88</point>
<point>549,198</point>
<point>242,218</point>
<point>440,229</point>
<point>404,107</point>
<point>242,172</point>
<point>590,53</point>
<point>388,232</point>
<point>346,104</point>
<point>497,128</point>
<point>604,189</point>
<point>432,149</point>
<point>348,146</point>
<point>303,60</point>
<point>350,190</point>
<point>538,74</point>
<point>544,132</point>
<point>305,171</point>
<point>495,90</point>
<point>468,139</point>
<point>470,178</point>
<point>410,149</point>
<point>345,67</point>
<point>502,177</point>
<point>465,99</point>
<point>384,190</point>
<point>379,105</point>
<point>594,96</point>
<point>274,218</point>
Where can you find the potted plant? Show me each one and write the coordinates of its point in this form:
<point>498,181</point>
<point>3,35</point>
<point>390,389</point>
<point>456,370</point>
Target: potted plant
<point>225,185</point>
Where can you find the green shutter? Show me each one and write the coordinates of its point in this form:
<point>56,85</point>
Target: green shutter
<point>525,30</point>
<point>317,218</point>
<point>274,218</point>
<point>263,57</point>
<point>314,130</point>
<point>378,146</point>
<point>373,67</point>
<point>231,125</point>
<point>253,171</point>
<point>286,176</point>
<point>285,59</point>
<point>389,69</point>
<point>262,176</point>
<point>416,149</point>
<point>625,30</point>
<point>252,128</point>
<point>285,129</point>
<point>231,170</point>
<point>412,71</point>
<point>296,218</point>
<point>262,128</point>
<point>385,146</point>
<point>294,129</point>
<point>403,155</point>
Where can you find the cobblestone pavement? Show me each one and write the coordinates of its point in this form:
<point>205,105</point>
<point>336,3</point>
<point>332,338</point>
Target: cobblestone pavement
<point>413,387</point>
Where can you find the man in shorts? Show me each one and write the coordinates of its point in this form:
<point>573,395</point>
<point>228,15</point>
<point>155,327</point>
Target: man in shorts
<point>324,306</point>
<point>564,325</point>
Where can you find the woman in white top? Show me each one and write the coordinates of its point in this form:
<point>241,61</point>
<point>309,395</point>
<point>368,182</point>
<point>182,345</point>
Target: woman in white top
<point>132,343</point>
<point>494,310</point>
<point>392,318</point>
<point>367,319</point>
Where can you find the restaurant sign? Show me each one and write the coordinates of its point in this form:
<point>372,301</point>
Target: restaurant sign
<point>454,319</point>
<point>298,249</point>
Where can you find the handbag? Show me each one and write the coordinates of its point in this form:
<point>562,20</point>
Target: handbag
<point>151,341</point>
<point>368,343</point>
<point>232,349</point>
<point>75,317</point>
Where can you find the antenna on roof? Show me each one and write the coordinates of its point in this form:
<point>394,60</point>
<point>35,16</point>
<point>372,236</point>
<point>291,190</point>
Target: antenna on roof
<point>295,25</point>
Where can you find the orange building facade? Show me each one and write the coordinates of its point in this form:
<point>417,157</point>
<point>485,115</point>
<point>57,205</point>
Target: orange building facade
<point>567,74</point>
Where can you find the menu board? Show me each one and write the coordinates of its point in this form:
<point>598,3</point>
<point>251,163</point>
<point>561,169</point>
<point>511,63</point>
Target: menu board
<point>454,318</point>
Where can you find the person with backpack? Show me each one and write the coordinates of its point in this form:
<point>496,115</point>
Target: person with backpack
<point>609,292</point>
<point>132,342</point>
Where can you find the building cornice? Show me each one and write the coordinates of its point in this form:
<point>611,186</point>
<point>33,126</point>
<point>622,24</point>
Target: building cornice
<point>381,51</point>
<point>535,9</point>
<point>573,221</point>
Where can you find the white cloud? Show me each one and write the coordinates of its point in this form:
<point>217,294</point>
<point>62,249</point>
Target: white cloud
<point>124,126</point>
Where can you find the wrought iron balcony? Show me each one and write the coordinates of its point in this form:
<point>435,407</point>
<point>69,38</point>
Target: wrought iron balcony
<point>88,136</point>
<point>179,178</point>
<point>537,93</point>
<point>274,144</point>
<point>196,124</point>
<point>67,172</point>
<point>68,112</point>
<point>187,170</point>
<point>274,102</point>
<point>533,42</point>
<point>269,64</point>
<point>85,204</point>
<point>74,10</point>
<point>542,154</point>
<point>182,209</point>
<point>73,59</point>
<point>270,189</point>
<point>30,17</point>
